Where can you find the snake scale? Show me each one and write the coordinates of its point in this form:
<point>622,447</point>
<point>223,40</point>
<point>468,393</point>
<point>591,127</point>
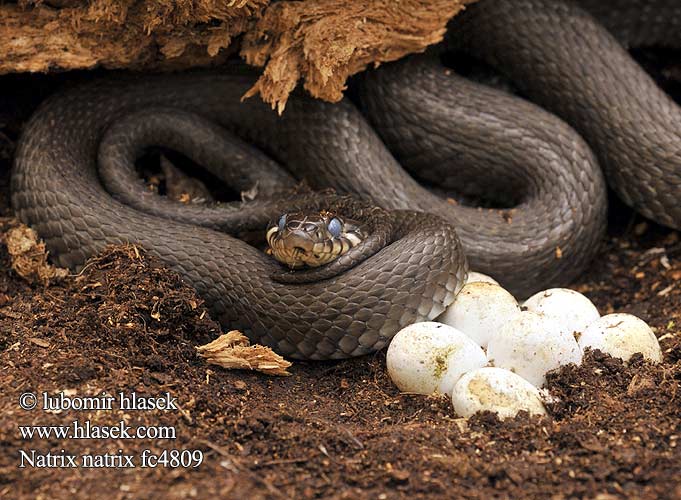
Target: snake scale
<point>440,126</point>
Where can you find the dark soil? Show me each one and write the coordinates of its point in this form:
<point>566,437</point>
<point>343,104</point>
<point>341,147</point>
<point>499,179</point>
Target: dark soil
<point>336,429</point>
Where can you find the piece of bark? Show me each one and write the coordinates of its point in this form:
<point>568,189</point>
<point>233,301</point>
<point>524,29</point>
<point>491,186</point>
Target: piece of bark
<point>233,351</point>
<point>326,41</point>
<point>115,34</point>
<point>29,256</point>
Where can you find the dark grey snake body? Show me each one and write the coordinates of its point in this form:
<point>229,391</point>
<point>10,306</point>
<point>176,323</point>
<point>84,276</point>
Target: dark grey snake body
<point>631,125</point>
<point>57,190</point>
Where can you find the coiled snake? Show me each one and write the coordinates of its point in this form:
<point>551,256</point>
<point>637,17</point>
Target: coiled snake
<point>430,119</point>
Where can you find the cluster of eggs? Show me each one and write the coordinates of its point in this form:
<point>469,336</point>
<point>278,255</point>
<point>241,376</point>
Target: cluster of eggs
<point>488,352</point>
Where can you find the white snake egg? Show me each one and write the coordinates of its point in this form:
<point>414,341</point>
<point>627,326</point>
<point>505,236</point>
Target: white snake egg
<point>531,345</point>
<point>497,390</point>
<point>430,357</point>
<point>480,310</point>
<point>622,335</point>
<point>568,307</point>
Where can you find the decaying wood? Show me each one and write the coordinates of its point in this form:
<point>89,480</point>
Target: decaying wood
<point>321,42</point>
<point>114,34</point>
<point>234,351</point>
<point>325,42</point>
<point>29,256</point>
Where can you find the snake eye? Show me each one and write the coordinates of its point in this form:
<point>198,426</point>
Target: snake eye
<point>282,222</point>
<point>335,227</point>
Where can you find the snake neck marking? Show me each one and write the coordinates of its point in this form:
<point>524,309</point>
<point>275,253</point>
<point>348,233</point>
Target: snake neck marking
<point>312,239</point>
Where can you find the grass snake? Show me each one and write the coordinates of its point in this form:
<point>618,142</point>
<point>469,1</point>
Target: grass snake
<point>442,127</point>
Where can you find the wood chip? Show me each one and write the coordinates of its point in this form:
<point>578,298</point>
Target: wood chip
<point>233,351</point>
<point>39,342</point>
<point>29,256</point>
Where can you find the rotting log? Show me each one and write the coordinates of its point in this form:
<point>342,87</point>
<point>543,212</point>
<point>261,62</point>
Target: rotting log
<point>321,42</point>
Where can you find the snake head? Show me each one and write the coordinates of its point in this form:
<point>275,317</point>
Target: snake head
<point>312,239</point>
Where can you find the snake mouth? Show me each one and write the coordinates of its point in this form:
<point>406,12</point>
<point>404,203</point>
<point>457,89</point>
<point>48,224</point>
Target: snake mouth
<point>298,257</point>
